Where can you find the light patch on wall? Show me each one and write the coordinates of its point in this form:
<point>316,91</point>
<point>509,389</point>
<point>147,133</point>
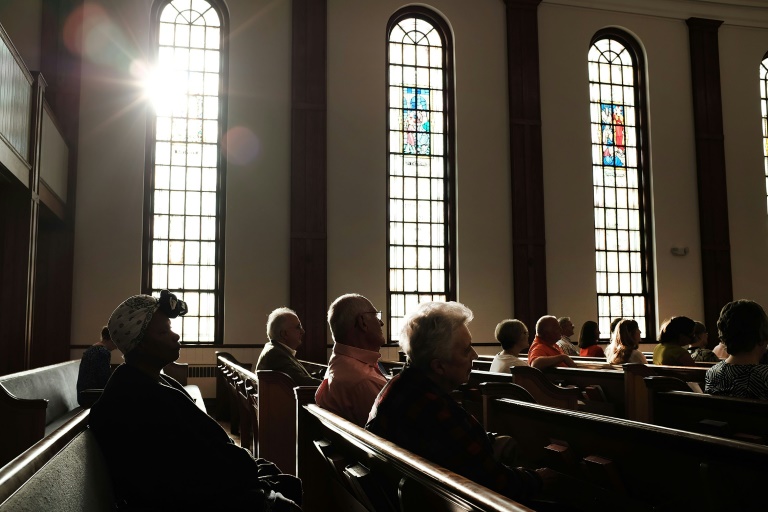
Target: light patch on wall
<point>243,146</point>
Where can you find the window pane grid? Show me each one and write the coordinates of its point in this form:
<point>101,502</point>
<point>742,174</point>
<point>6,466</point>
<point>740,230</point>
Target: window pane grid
<point>186,176</point>
<point>418,227</point>
<point>764,110</point>
<point>618,210</point>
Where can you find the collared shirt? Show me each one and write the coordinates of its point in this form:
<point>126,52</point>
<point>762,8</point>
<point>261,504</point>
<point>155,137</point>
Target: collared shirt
<point>351,383</point>
<point>289,349</point>
<point>540,348</point>
<point>567,346</point>
<point>414,413</point>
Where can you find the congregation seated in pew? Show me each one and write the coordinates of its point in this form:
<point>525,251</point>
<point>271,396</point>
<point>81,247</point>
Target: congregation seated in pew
<point>285,331</point>
<point>625,343</point>
<point>544,351</point>
<point>416,411</point>
<point>513,336</point>
<point>95,368</point>
<point>675,333</point>
<point>353,378</point>
<point>162,451</point>
<point>588,338</point>
<point>743,326</point>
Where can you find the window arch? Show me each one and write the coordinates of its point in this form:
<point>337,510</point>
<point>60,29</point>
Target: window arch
<point>764,111</point>
<point>421,183</point>
<point>623,241</point>
<point>184,181</point>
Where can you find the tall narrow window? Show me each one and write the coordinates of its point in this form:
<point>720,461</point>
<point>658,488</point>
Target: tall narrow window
<point>764,109</point>
<point>184,199</point>
<point>620,179</point>
<point>421,230</point>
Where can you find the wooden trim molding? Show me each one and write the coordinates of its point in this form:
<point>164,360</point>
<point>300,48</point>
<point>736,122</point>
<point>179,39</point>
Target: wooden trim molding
<point>308,260</point>
<point>710,168</point>
<point>529,270</point>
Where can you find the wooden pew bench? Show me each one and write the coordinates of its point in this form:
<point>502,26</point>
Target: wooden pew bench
<point>265,402</point>
<point>34,403</point>
<point>345,467</point>
<point>65,471</point>
<point>180,373</point>
<point>649,464</point>
<point>672,404</point>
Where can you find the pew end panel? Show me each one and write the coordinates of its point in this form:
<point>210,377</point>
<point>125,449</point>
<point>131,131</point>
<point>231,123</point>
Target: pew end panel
<point>544,391</point>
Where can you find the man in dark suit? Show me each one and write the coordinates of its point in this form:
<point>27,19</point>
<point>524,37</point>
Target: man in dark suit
<point>285,331</point>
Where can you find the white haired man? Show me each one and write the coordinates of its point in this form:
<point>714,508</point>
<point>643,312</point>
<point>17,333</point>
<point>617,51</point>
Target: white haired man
<point>416,411</point>
<point>353,378</point>
<point>285,331</point>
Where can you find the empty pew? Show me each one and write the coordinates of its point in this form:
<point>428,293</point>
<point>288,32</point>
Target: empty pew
<point>34,403</point>
<point>344,467</point>
<point>672,404</point>
<point>225,404</point>
<point>648,464</point>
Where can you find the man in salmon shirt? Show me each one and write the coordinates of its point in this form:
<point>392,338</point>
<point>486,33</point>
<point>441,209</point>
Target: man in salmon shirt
<point>544,351</point>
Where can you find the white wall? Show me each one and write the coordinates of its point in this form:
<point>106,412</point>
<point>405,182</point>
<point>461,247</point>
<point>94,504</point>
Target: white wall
<point>22,20</point>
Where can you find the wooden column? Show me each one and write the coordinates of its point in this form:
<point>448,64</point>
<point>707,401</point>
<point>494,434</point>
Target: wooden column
<point>308,174</point>
<point>529,270</point>
<point>710,168</point>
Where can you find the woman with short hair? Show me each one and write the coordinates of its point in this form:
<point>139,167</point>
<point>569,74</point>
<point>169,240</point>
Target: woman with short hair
<point>675,334</point>
<point>513,336</point>
<point>698,348</point>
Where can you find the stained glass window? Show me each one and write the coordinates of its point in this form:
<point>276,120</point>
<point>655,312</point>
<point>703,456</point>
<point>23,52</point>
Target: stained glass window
<point>621,243</point>
<point>420,192</point>
<point>764,109</point>
<point>184,249</point>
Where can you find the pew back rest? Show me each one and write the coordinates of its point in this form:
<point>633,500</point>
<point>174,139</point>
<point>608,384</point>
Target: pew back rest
<point>56,383</point>
<point>65,471</point>
<point>420,484</point>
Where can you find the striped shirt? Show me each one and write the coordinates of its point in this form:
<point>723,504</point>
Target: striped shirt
<point>739,380</point>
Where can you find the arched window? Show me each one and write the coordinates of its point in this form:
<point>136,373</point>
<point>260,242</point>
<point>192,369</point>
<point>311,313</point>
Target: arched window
<point>420,216</point>
<point>620,179</point>
<point>184,183</point>
<point>764,110</point>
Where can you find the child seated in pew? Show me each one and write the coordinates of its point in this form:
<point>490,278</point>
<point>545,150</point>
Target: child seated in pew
<point>743,326</point>
<point>162,451</point>
<point>513,336</point>
<point>95,368</point>
<point>416,411</point>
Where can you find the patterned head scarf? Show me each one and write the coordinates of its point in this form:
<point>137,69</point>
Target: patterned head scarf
<point>129,321</point>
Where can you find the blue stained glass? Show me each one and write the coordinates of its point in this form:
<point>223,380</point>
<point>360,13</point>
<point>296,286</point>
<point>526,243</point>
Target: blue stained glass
<point>612,134</point>
<point>416,121</point>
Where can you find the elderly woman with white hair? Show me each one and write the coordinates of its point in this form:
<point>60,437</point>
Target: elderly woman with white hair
<point>416,411</point>
<point>143,417</point>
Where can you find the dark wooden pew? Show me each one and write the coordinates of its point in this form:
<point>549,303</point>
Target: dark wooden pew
<point>636,393</point>
<point>648,464</point>
<point>344,467</point>
<point>672,404</point>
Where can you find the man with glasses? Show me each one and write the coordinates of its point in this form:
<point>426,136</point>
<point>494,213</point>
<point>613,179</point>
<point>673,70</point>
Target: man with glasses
<point>353,379</point>
<point>285,331</point>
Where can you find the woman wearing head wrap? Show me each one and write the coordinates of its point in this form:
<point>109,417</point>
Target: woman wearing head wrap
<point>143,415</point>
